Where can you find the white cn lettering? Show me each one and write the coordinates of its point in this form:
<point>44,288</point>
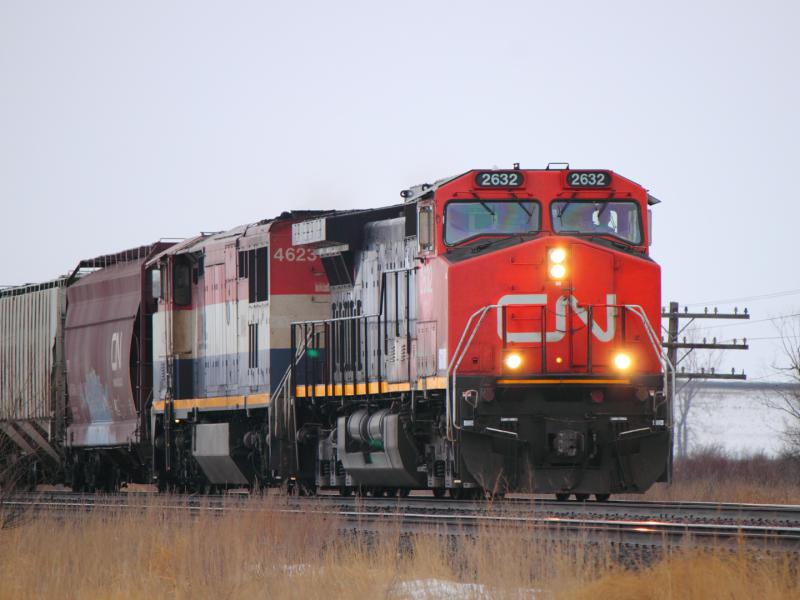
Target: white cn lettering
<point>535,337</point>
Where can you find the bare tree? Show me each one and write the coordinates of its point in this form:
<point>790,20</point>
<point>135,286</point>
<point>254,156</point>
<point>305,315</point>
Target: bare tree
<point>787,398</point>
<point>687,390</point>
<point>684,401</point>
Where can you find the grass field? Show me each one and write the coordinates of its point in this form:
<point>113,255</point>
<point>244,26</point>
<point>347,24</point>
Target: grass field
<point>155,553</point>
<point>713,476</point>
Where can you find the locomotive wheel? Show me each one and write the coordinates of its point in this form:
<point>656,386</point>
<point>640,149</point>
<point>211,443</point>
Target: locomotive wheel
<point>89,477</point>
<point>32,477</point>
<point>76,477</point>
<point>391,492</point>
<point>458,493</point>
<point>602,497</point>
<point>439,492</point>
<point>345,491</point>
<point>111,482</point>
<point>581,497</point>
<point>404,492</point>
<point>475,494</point>
<point>562,496</point>
<point>376,492</point>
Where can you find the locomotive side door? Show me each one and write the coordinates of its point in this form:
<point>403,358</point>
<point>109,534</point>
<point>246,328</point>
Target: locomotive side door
<point>400,324</point>
<point>253,330</point>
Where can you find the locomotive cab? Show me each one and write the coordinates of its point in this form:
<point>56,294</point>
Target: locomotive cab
<point>556,370</point>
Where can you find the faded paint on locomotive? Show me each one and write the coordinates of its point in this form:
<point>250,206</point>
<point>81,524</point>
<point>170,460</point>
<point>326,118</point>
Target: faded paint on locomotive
<point>220,331</point>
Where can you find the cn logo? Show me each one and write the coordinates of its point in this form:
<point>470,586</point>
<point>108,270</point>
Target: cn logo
<point>604,335</point>
<point>116,351</point>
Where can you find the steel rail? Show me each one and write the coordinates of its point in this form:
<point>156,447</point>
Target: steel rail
<point>675,511</point>
<point>356,518</point>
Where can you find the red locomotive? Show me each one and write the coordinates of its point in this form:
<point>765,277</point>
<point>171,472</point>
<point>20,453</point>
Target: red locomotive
<point>496,331</point>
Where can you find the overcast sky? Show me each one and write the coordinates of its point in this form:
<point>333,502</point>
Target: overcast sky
<point>122,123</point>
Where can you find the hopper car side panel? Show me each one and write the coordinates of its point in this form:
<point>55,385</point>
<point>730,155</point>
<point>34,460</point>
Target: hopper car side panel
<point>101,350</point>
<point>32,368</point>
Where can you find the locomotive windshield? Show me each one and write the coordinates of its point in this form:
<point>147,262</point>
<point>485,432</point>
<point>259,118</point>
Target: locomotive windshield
<point>617,219</point>
<point>476,218</point>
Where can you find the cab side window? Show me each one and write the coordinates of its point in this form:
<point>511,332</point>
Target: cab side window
<point>182,282</point>
<point>254,266</point>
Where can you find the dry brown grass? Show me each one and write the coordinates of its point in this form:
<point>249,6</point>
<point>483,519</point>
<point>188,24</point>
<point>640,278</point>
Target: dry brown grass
<point>713,476</point>
<point>701,576</point>
<point>260,553</point>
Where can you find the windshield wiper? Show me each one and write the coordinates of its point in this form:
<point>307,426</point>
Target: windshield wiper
<point>564,207</point>
<point>486,206</point>
<point>527,212</point>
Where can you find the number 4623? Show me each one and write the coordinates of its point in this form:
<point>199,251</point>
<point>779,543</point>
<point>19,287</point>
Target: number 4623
<point>294,254</point>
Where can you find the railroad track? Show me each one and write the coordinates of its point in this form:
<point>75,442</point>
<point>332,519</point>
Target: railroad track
<point>618,522</point>
<point>775,515</point>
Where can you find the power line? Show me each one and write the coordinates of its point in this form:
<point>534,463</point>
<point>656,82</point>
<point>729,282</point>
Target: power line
<point>758,339</point>
<point>749,322</point>
<point>763,377</point>
<point>769,296</point>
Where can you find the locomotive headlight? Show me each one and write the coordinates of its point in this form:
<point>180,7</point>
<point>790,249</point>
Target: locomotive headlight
<point>513,360</point>
<point>557,263</point>
<point>622,361</point>
<point>558,271</point>
<point>558,255</point>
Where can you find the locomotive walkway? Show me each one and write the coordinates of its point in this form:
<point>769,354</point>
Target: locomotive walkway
<point>624,523</point>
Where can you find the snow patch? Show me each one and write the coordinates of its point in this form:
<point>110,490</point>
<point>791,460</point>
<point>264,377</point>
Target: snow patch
<point>440,589</point>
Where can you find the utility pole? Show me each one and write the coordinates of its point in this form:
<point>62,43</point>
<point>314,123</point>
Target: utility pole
<point>674,344</point>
